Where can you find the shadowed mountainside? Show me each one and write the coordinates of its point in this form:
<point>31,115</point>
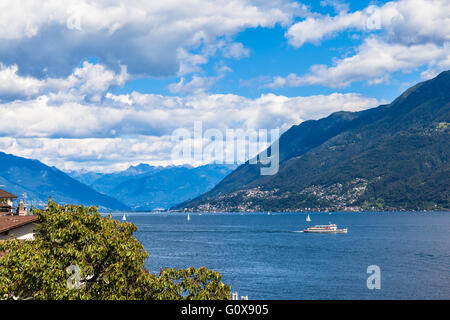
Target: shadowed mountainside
<point>35,182</point>
<point>392,157</point>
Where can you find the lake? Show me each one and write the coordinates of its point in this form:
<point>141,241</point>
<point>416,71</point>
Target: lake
<point>266,257</point>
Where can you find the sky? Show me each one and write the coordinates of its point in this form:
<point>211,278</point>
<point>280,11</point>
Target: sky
<point>102,85</point>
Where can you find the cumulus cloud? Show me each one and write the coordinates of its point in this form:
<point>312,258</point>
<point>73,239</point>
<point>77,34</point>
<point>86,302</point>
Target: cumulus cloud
<point>76,123</point>
<point>50,37</point>
<point>89,81</point>
<point>157,115</point>
<point>437,66</point>
<point>198,84</point>
<point>315,30</point>
<point>236,50</point>
<point>100,138</point>
<point>94,154</point>
<point>409,34</point>
<point>14,86</point>
<point>65,114</point>
<point>339,6</point>
<point>374,62</point>
<point>404,21</point>
<point>195,86</point>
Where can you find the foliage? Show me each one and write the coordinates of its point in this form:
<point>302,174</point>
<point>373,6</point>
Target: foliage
<point>110,260</point>
<point>191,284</point>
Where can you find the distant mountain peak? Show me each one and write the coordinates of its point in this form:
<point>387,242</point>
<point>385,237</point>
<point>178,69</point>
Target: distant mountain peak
<point>144,187</point>
<point>140,168</point>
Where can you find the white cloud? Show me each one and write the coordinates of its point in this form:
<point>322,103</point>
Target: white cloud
<point>156,115</point>
<point>12,85</point>
<point>94,154</point>
<point>63,113</point>
<point>94,79</point>
<point>90,81</point>
<point>404,21</point>
<point>410,34</point>
<point>100,138</point>
<point>197,85</point>
<point>236,51</point>
<point>374,62</point>
<point>436,67</point>
<point>70,115</point>
<point>339,6</point>
<point>189,62</point>
<point>64,128</point>
<point>315,30</point>
<point>145,36</point>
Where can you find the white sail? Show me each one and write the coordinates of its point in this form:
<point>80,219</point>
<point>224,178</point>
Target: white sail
<point>308,218</point>
<point>188,217</point>
<point>124,218</point>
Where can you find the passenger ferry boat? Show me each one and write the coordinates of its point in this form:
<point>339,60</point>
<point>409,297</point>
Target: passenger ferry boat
<point>330,228</point>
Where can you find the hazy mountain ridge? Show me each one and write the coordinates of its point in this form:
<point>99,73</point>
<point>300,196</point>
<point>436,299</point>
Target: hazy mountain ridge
<point>35,182</point>
<point>144,187</point>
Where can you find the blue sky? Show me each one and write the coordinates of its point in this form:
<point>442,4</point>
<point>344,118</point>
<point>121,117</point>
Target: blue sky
<point>270,55</point>
<point>103,85</point>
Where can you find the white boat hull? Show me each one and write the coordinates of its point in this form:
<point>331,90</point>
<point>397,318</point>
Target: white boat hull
<point>326,231</point>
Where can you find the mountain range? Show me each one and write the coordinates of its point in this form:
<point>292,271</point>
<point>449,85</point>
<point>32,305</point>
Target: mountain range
<point>35,182</point>
<point>141,187</point>
<point>145,187</point>
<point>392,157</point>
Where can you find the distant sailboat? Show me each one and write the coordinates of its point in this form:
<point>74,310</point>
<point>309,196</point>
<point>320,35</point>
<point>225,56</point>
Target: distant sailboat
<point>124,218</point>
<point>188,217</point>
<point>308,219</point>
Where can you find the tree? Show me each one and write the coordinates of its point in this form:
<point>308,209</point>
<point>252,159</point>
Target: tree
<point>78,254</point>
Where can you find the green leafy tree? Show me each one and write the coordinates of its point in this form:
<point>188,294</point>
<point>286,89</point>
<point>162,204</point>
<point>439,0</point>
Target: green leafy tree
<point>78,254</point>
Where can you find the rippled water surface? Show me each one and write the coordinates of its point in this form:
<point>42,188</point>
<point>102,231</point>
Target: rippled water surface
<point>266,257</point>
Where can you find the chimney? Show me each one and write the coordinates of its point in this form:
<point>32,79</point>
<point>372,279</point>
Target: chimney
<point>21,209</point>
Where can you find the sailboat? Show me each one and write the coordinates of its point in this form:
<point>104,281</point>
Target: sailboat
<point>124,218</point>
<point>188,217</point>
<point>308,218</point>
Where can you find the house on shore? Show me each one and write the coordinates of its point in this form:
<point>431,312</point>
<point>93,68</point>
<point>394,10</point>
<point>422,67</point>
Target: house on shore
<point>6,202</point>
<point>15,223</point>
<point>17,227</point>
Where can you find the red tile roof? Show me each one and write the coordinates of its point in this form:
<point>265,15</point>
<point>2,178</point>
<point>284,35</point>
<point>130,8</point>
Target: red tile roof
<point>6,194</point>
<point>11,222</point>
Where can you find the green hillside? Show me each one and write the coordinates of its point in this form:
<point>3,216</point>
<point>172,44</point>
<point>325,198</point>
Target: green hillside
<point>393,157</point>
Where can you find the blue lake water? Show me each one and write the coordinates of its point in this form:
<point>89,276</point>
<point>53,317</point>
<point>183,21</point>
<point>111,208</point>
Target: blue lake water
<point>265,257</point>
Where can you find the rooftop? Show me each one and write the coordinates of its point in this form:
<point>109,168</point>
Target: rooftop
<point>6,194</point>
<point>11,222</point>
